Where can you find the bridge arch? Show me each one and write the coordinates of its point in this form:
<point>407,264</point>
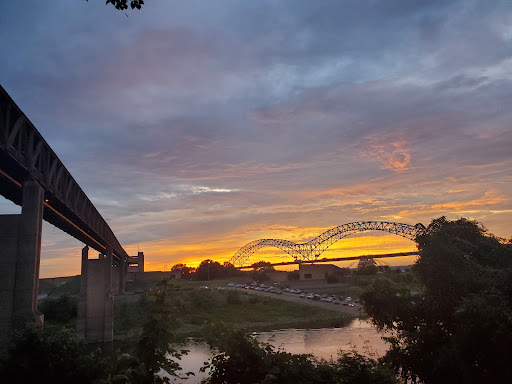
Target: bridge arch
<point>312,249</point>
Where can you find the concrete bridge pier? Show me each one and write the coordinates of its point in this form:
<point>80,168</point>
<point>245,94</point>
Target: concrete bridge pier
<point>20,253</point>
<point>95,322</point>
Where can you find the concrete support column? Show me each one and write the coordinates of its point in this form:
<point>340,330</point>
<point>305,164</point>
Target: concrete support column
<point>140,256</point>
<point>20,253</point>
<point>108,309</point>
<point>95,321</point>
<point>82,309</point>
<point>9,225</point>
<point>122,275</point>
<point>29,255</point>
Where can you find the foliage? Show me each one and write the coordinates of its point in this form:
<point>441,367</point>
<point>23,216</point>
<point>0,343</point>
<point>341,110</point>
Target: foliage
<point>61,310</point>
<point>55,355</point>
<point>153,349</point>
<point>367,267</point>
<point>185,271</point>
<point>239,358</point>
<point>209,270</point>
<point>459,328</point>
<point>262,266</point>
<point>51,355</point>
<point>123,4</point>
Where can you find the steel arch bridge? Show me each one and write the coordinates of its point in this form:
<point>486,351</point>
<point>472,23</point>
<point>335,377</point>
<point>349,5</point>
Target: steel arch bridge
<point>311,250</point>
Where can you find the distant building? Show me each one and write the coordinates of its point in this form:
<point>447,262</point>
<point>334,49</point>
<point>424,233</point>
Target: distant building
<point>317,271</point>
<point>277,275</point>
<point>175,275</point>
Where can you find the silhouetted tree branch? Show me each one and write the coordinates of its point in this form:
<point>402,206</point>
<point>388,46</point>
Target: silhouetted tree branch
<point>123,4</point>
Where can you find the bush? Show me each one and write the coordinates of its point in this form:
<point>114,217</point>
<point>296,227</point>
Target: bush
<point>61,310</point>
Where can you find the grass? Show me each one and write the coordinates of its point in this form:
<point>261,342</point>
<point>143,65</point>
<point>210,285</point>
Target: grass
<point>195,308</point>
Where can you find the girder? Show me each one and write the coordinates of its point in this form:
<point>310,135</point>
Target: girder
<point>314,248</point>
<point>24,154</point>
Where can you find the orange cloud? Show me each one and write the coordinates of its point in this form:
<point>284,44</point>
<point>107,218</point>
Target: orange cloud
<point>393,155</point>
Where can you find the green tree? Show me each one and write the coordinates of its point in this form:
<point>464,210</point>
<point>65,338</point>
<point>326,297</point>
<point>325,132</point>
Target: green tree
<point>459,328</point>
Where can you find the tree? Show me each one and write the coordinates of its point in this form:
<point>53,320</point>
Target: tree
<point>55,355</point>
<point>240,358</point>
<point>262,266</point>
<point>229,269</point>
<point>208,270</point>
<point>367,266</point>
<point>51,355</point>
<point>123,4</point>
<point>185,271</point>
<point>459,328</point>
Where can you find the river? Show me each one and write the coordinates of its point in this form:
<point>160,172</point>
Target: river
<point>323,343</point>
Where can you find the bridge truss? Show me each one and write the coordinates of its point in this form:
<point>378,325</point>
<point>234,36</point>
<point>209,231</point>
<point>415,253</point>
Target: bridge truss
<point>24,155</point>
<point>311,250</point>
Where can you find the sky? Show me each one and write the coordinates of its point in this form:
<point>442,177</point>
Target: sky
<point>196,127</point>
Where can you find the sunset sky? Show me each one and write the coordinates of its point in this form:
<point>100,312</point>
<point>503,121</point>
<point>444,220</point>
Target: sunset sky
<point>198,126</point>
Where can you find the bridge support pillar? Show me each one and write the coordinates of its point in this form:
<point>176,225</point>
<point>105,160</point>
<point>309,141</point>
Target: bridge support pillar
<point>20,252</point>
<point>123,270</point>
<point>95,321</point>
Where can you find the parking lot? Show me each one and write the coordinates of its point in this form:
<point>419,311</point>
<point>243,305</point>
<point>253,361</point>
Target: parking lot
<point>328,302</point>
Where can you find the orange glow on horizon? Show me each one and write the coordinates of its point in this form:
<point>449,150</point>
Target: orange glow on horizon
<point>369,243</point>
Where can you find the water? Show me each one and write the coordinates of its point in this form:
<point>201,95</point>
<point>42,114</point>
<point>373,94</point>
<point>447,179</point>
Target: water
<point>323,343</point>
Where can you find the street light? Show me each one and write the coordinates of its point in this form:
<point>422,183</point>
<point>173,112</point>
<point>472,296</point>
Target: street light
<point>208,270</point>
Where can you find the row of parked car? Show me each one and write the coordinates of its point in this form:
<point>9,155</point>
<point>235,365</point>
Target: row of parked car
<point>275,288</point>
<point>329,299</point>
<point>258,287</point>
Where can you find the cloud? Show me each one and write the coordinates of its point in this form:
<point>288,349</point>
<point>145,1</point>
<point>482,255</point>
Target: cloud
<point>207,124</point>
<point>395,155</point>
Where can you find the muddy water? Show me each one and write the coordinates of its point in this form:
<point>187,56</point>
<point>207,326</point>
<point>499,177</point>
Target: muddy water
<point>323,343</point>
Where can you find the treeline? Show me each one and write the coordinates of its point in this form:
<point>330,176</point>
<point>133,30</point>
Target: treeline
<point>211,270</point>
<point>207,270</point>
